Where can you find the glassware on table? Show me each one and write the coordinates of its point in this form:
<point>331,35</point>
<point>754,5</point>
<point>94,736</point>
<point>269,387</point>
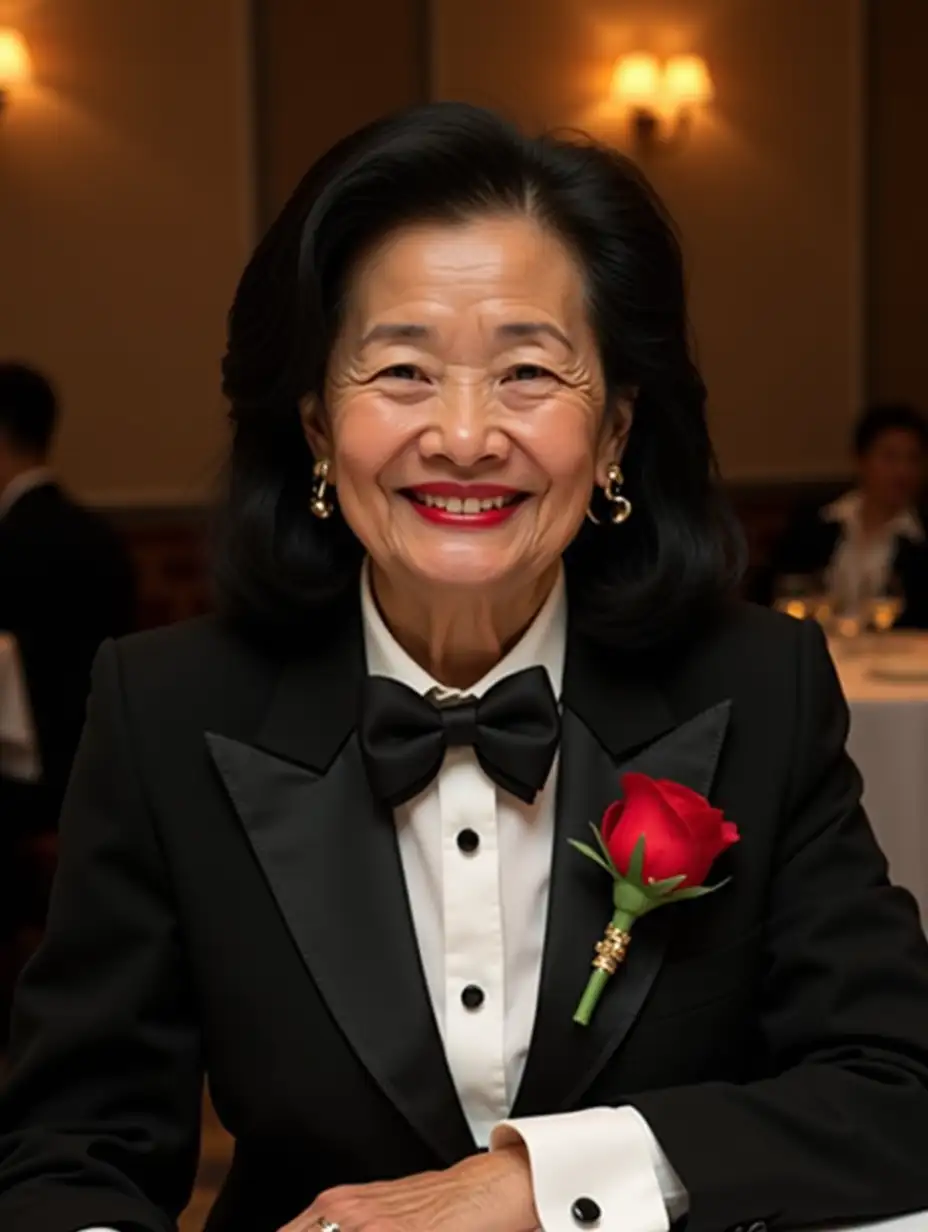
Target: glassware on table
<point>884,607</point>
<point>848,608</point>
<point>803,596</point>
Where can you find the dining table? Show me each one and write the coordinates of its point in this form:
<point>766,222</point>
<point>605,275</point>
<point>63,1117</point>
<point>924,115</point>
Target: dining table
<point>19,751</point>
<point>885,681</point>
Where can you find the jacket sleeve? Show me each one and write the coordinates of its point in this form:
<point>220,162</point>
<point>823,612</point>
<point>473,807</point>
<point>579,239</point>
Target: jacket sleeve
<point>100,1113</point>
<point>839,1129</point>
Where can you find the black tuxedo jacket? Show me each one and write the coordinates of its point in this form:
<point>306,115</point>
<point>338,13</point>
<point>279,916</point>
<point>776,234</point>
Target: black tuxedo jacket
<point>809,543</point>
<point>65,586</point>
<point>230,899</point>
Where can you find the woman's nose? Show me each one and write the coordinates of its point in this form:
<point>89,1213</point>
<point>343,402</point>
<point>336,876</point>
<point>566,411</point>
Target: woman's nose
<point>466,428</point>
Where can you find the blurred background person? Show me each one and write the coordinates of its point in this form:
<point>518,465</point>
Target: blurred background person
<point>65,585</point>
<point>871,541</point>
<point>65,578</point>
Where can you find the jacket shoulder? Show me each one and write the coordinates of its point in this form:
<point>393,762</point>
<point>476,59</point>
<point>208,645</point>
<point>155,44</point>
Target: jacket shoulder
<point>752,625</point>
<point>198,669</point>
<point>750,652</point>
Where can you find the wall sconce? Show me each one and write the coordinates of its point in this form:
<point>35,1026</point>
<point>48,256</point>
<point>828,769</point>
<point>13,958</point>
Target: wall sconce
<point>660,98</point>
<point>15,64</point>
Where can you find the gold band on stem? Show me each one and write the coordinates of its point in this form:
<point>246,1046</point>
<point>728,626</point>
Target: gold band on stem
<point>611,951</point>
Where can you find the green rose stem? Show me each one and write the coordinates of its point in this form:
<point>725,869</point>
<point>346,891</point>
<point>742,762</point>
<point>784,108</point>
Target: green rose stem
<point>630,903</point>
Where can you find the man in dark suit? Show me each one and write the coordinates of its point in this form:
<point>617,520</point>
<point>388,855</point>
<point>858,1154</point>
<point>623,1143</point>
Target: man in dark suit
<point>65,585</point>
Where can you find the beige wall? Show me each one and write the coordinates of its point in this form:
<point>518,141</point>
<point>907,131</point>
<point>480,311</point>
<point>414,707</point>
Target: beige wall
<point>125,217</point>
<point>767,192</point>
<point>898,308</point>
<point>325,69</point>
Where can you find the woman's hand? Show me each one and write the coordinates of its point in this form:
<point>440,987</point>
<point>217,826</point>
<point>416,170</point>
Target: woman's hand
<point>487,1193</point>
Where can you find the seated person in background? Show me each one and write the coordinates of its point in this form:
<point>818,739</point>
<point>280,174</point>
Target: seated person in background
<point>65,585</point>
<point>873,535</point>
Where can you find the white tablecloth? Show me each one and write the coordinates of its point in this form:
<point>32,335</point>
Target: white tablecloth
<point>19,754</point>
<point>906,1223</point>
<point>889,742</point>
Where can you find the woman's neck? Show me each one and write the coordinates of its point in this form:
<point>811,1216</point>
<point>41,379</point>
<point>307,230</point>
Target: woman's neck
<point>455,635</point>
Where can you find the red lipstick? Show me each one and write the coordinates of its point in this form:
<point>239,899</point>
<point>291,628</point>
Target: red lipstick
<point>452,504</point>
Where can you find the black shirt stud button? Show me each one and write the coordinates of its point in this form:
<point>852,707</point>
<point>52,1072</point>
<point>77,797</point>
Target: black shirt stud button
<point>586,1212</point>
<point>468,841</point>
<point>472,997</point>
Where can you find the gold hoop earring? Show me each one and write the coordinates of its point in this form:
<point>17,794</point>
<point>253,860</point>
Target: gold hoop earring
<point>612,491</point>
<point>320,504</point>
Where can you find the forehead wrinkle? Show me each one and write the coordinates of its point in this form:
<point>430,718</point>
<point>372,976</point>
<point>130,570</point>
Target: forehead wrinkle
<point>394,299</point>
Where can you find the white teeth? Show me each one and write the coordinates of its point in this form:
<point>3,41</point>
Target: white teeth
<point>470,505</point>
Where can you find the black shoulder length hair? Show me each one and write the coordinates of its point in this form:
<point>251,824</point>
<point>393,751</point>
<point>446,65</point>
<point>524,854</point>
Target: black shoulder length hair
<point>280,572</point>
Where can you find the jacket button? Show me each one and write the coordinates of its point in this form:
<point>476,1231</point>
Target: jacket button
<point>586,1212</point>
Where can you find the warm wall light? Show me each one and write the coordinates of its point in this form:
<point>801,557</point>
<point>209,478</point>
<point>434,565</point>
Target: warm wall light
<point>660,98</point>
<point>687,81</point>
<point>15,63</point>
<point>636,79</point>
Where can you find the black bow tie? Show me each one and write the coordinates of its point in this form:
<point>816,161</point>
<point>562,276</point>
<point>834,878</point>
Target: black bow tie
<point>514,730</point>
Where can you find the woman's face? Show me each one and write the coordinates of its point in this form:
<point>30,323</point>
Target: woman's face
<point>464,415</point>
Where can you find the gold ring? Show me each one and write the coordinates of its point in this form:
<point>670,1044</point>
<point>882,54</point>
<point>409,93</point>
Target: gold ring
<point>326,1225</point>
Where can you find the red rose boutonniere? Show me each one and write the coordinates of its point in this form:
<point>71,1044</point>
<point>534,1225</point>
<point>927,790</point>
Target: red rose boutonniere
<point>658,844</point>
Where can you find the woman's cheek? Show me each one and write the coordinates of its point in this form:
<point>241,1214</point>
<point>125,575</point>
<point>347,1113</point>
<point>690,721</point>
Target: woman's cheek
<point>562,438</point>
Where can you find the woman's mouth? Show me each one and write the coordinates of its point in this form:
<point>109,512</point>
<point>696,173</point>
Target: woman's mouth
<point>465,506</point>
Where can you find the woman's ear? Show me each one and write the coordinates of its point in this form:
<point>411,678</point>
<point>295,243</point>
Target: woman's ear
<point>315,428</point>
<point>614,436</point>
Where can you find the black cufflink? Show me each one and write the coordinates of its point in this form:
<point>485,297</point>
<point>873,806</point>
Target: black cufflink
<point>586,1212</point>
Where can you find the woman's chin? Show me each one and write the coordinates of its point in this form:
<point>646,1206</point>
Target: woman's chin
<point>466,570</point>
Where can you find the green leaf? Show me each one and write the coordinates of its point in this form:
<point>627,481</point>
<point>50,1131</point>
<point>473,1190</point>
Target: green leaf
<point>700,891</point>
<point>601,843</point>
<point>636,863</point>
<point>667,886</point>
<point>588,851</point>
<point>694,892</point>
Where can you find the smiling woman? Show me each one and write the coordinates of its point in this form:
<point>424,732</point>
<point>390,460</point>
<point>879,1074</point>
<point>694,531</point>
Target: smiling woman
<point>472,307</point>
<point>447,407</point>
<point>476,579</point>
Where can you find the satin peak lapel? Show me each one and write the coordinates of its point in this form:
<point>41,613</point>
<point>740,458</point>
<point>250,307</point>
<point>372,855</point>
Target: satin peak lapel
<point>329,854</point>
<point>564,1058</point>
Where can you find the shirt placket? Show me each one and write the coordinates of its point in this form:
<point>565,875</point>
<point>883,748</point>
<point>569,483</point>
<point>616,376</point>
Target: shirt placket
<point>473,929</point>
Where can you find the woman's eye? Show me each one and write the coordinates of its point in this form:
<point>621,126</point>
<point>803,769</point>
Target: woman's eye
<point>402,372</point>
<point>529,372</point>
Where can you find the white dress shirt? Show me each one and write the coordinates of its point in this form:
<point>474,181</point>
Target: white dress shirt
<point>480,920</point>
<point>862,564</point>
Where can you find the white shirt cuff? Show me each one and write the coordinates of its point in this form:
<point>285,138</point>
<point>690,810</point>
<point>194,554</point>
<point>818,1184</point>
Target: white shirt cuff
<point>98,1230</point>
<point>607,1155</point>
